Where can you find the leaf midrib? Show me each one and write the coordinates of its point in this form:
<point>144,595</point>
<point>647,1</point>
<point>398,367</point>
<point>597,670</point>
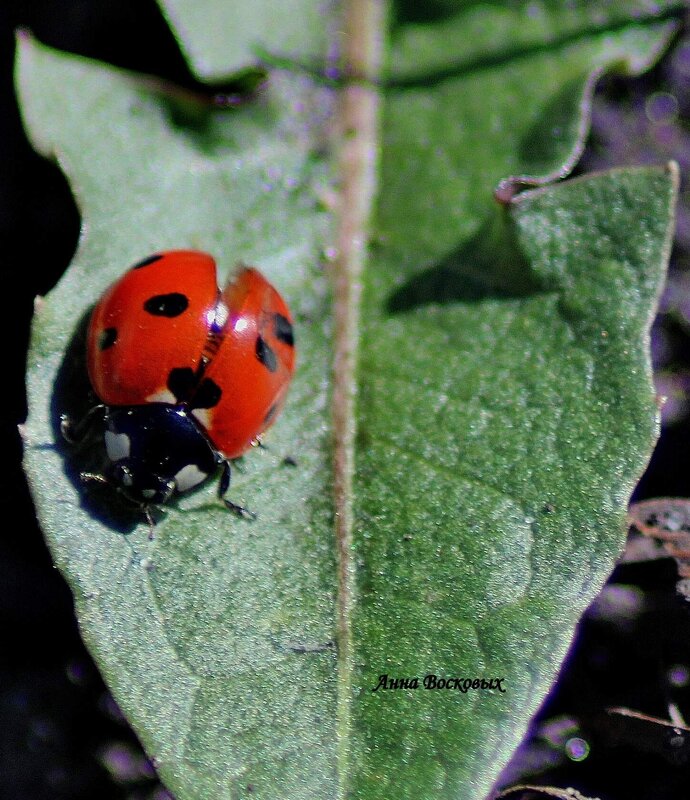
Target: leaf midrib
<point>357,136</point>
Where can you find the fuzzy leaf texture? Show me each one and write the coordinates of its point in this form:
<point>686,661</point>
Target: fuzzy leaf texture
<point>504,402</point>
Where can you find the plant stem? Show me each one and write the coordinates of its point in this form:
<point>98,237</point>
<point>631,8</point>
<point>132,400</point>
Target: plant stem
<point>357,160</point>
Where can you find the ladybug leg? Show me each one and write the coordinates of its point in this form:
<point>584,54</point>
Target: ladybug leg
<point>93,477</point>
<point>96,477</point>
<point>151,521</point>
<point>78,434</point>
<point>222,491</point>
<point>258,443</point>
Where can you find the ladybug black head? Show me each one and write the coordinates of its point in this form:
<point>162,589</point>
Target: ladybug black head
<point>140,486</point>
<point>156,450</point>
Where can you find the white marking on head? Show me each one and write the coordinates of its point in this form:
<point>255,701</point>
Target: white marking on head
<point>189,476</point>
<point>241,325</point>
<point>162,396</point>
<point>117,445</point>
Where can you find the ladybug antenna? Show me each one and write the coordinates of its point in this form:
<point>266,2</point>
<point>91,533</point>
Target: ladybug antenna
<point>151,521</point>
<point>93,477</point>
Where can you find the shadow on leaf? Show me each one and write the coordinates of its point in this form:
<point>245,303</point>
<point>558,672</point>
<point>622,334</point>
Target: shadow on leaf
<point>489,265</point>
<point>196,110</point>
<point>548,140</point>
<point>74,397</point>
<point>406,12</point>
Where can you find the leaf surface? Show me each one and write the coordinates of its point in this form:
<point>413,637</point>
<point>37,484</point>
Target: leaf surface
<point>221,38</point>
<point>198,631</point>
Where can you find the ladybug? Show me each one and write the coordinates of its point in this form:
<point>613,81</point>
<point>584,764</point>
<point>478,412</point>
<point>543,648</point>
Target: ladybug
<point>188,376</point>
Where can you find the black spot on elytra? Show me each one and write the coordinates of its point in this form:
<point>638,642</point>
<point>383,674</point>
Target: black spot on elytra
<point>207,395</point>
<point>188,387</point>
<point>181,382</point>
<point>167,305</point>
<point>266,355</point>
<point>107,338</point>
<point>150,260</point>
<point>283,329</point>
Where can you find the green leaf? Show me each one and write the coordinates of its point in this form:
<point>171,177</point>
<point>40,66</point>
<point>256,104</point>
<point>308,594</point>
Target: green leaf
<point>494,470</point>
<point>196,630</point>
<point>220,39</point>
<point>504,406</point>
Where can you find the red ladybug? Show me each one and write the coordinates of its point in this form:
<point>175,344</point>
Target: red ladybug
<point>188,376</point>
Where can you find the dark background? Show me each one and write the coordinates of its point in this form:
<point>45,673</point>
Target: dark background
<point>62,736</point>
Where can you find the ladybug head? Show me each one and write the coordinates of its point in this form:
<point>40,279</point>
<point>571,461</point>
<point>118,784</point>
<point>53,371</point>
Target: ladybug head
<point>155,450</point>
<point>141,486</point>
